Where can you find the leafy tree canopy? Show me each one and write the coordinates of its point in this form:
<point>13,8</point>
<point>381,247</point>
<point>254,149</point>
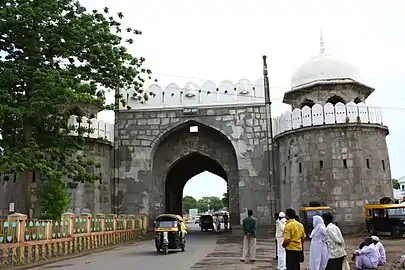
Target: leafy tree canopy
<point>189,203</point>
<point>225,199</point>
<point>395,184</point>
<point>209,203</point>
<point>56,57</point>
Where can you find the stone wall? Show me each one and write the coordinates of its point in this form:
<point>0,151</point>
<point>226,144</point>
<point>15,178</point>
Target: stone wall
<point>344,165</point>
<point>88,197</point>
<point>95,197</point>
<point>141,131</point>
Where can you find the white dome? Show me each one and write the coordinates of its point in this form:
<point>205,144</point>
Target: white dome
<point>324,68</point>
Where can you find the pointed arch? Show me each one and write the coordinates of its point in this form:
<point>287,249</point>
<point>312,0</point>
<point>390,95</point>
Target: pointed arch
<point>357,100</point>
<point>336,99</point>
<point>307,102</point>
<point>178,155</point>
<point>181,125</point>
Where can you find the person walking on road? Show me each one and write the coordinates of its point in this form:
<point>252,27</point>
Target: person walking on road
<point>294,235</point>
<point>280,226</point>
<point>249,238</point>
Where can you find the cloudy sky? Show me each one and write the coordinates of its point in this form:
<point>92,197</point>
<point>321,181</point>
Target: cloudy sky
<point>195,41</point>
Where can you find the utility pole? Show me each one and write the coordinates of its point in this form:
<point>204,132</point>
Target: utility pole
<point>116,176</point>
<point>270,142</point>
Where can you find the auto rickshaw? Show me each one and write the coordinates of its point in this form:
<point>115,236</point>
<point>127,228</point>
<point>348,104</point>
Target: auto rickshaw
<point>308,212</point>
<point>170,233</point>
<point>206,222</point>
<point>385,218</point>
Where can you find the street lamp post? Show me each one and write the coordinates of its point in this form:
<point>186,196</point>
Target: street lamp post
<point>270,143</point>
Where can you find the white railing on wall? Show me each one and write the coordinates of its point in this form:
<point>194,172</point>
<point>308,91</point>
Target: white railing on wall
<point>209,93</point>
<point>327,114</point>
<point>98,129</point>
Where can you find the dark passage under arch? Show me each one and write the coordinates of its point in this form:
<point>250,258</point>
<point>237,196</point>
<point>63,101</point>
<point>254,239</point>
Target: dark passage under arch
<point>182,154</point>
<point>307,102</point>
<point>181,172</point>
<point>335,99</point>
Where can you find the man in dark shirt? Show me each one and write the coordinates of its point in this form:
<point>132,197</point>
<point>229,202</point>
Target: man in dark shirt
<point>226,220</point>
<point>249,238</point>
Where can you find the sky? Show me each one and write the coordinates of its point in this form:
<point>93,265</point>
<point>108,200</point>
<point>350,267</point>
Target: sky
<point>215,40</point>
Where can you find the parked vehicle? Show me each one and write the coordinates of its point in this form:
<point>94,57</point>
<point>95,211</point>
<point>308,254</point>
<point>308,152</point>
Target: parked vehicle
<point>206,223</point>
<point>308,212</point>
<point>386,218</point>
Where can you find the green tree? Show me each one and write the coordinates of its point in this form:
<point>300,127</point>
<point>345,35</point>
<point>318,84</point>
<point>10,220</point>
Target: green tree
<point>57,59</point>
<point>395,184</point>
<point>225,199</point>
<point>54,198</point>
<point>209,203</point>
<point>189,203</point>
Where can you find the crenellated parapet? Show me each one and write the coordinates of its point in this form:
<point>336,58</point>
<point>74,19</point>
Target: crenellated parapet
<point>98,129</point>
<point>191,94</point>
<point>327,114</point>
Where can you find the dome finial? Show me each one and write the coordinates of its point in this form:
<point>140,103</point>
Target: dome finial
<point>322,44</point>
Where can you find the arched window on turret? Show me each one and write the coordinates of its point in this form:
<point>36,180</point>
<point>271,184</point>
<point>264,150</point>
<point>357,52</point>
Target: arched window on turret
<point>307,102</point>
<point>335,99</point>
<point>357,100</point>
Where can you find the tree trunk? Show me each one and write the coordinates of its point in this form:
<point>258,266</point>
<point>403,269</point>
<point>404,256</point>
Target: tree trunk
<point>25,201</point>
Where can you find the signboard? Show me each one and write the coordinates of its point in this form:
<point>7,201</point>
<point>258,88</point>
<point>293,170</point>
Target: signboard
<point>193,213</point>
<point>190,111</point>
<point>11,207</point>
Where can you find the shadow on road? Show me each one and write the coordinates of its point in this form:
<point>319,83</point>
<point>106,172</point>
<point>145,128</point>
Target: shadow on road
<point>146,253</point>
<point>58,266</point>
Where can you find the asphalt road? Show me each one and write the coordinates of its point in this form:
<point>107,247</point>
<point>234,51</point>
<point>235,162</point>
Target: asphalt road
<point>143,256</point>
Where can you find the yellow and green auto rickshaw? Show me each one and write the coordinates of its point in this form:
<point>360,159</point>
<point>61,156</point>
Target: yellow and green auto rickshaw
<point>308,212</point>
<point>170,233</point>
<point>387,217</point>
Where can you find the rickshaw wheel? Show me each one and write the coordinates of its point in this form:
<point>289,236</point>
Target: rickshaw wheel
<point>395,233</point>
<point>165,250</point>
<point>183,247</point>
<point>372,230</point>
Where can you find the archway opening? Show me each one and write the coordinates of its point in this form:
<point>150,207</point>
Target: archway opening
<point>307,102</point>
<point>199,196</point>
<point>185,151</point>
<point>192,166</point>
<point>335,99</point>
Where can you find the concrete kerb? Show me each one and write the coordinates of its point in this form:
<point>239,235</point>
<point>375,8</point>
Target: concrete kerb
<point>136,242</point>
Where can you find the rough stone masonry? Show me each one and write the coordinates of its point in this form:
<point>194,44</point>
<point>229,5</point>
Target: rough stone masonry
<point>148,146</point>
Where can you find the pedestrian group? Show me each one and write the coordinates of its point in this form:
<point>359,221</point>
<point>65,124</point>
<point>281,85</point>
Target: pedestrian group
<point>327,248</point>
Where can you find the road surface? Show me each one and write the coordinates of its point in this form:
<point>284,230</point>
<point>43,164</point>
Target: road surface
<point>143,256</point>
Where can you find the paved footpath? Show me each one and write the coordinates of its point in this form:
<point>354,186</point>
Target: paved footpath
<point>227,253</point>
<point>228,250</point>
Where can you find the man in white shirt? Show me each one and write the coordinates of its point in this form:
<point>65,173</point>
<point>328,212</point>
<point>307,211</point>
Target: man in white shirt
<point>367,257</point>
<point>381,250</point>
<point>281,255</point>
<point>335,242</point>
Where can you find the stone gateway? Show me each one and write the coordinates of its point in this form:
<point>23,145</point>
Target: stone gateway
<point>330,147</point>
<point>158,154</point>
